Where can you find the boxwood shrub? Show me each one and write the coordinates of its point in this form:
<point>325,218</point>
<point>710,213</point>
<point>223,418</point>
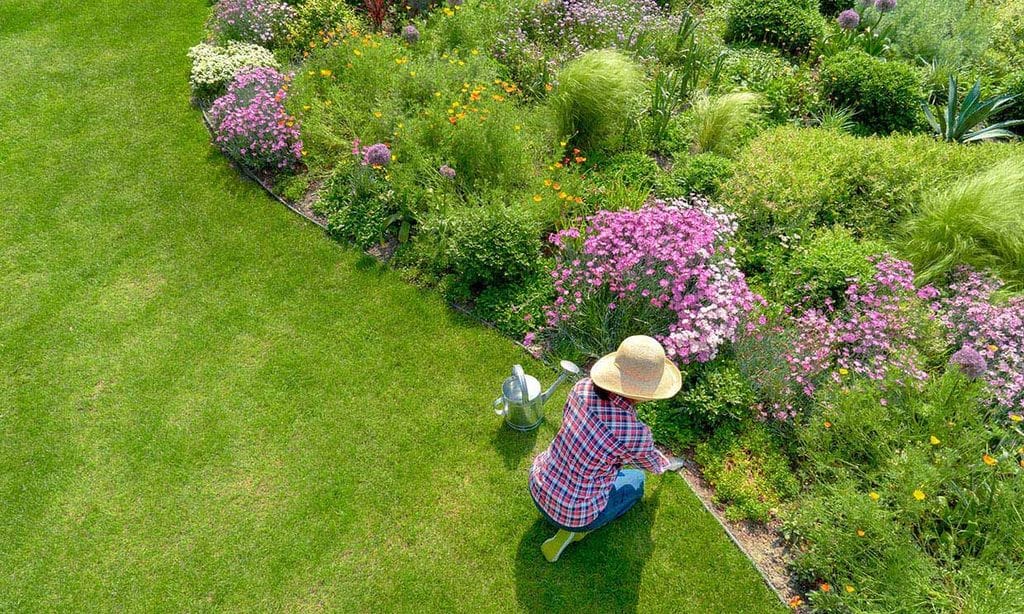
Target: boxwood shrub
<point>886,96</point>
<point>789,25</point>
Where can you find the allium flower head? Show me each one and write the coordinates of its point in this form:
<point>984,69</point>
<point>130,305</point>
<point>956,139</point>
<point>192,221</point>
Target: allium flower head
<point>848,19</point>
<point>410,34</point>
<point>970,361</point>
<point>377,154</point>
<point>884,6</point>
<point>447,171</point>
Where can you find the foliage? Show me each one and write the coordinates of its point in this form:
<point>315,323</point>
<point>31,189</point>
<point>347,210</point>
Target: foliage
<point>952,33</point>
<point>317,22</point>
<point>721,395</point>
<point>750,475</point>
<point>885,326</point>
<point>700,174</point>
<point>596,94</point>
<point>516,308</point>
<point>261,22</point>
<point>251,125</point>
<point>214,67</point>
<point>789,25</point>
<point>819,271</point>
<point>665,270</point>
<point>977,222</point>
<point>790,179</point>
<point>914,490</point>
<point>358,204</point>
<point>787,90</point>
<point>718,122</point>
<point>995,329</point>
<point>488,246</point>
<point>969,120</point>
<point>885,95</point>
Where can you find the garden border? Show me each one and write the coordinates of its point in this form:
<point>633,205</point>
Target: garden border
<point>690,473</point>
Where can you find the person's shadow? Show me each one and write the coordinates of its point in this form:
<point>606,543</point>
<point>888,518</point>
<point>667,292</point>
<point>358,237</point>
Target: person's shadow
<point>602,573</point>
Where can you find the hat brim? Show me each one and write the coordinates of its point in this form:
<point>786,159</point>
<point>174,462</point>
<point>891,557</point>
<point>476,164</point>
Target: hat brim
<point>606,374</point>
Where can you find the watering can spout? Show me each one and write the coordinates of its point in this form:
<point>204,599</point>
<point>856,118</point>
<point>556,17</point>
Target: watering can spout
<point>568,368</point>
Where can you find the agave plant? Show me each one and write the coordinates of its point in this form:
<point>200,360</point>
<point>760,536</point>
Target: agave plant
<point>965,121</point>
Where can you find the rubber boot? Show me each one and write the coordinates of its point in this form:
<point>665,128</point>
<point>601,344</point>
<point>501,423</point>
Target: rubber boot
<point>554,547</point>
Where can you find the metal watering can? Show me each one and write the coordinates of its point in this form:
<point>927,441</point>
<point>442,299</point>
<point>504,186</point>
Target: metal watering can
<point>521,401</point>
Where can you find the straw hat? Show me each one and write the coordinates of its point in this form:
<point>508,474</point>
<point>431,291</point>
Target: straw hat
<point>638,370</point>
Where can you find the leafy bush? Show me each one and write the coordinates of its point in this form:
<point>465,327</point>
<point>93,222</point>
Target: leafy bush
<point>251,125</point>
<point>516,308</point>
<point>596,94</point>
<point>720,395</point>
<point>664,270</point>
<point>319,22</point>
<point>977,222</point>
<point>489,246</point>
<point>214,67</point>
<point>750,475</point>
<point>819,271</point>
<point>261,22</point>
<point>790,179</point>
<point>787,90</point>
<point>700,174</point>
<point>911,486</point>
<point>789,25</point>
<point>885,95</point>
<point>833,7</point>
<point>357,204</point>
<point>951,33</point>
<point>719,121</point>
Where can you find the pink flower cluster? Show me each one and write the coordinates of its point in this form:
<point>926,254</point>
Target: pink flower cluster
<point>993,329</point>
<point>251,124</point>
<point>874,334</point>
<point>250,21</point>
<point>673,256</point>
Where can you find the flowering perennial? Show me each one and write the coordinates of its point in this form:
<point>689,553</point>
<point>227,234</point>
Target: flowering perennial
<point>251,124</point>
<point>250,21</point>
<point>214,67</point>
<point>848,19</point>
<point>993,330</point>
<point>671,256</point>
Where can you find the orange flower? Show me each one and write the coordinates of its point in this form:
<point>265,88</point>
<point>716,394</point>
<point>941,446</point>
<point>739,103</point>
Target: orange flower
<point>556,186</point>
<point>796,602</point>
<point>828,424</point>
<point>860,533</point>
<point>988,460</point>
<point>825,587</point>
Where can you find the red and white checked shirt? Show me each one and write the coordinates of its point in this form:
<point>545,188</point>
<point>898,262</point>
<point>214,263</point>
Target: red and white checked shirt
<point>572,478</point>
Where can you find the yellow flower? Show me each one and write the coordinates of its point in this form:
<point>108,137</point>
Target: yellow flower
<point>849,589</point>
<point>988,460</point>
<point>547,182</point>
<point>377,114</point>
<point>992,348</point>
<point>357,52</point>
<point>1016,417</point>
<point>874,496</point>
<point>843,371</point>
<point>935,440</point>
<point>305,107</point>
<point>919,495</point>
<point>325,73</point>
<point>860,533</point>
<point>548,87</point>
<point>537,198</point>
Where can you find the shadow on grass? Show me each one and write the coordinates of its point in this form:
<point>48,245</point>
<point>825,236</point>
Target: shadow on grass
<point>602,573</point>
<point>513,446</point>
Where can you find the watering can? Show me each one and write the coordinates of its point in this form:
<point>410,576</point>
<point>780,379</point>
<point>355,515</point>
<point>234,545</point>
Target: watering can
<point>521,401</point>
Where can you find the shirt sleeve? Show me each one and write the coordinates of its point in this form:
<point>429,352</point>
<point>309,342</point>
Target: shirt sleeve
<point>647,456</point>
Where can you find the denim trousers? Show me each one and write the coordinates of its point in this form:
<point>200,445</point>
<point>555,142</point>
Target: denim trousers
<point>627,489</point>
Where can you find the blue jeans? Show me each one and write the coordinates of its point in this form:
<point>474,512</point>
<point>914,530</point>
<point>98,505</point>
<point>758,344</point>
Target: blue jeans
<point>627,489</point>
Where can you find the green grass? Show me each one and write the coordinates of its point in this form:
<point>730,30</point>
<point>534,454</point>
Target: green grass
<point>207,405</point>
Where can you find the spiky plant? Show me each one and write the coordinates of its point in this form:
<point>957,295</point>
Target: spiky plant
<point>719,121</point>
<point>966,121</point>
<point>597,93</point>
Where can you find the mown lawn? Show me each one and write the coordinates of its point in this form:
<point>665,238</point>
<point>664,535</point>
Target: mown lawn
<point>207,405</point>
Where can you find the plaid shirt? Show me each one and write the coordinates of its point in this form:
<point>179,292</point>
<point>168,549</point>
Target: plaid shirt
<point>572,478</point>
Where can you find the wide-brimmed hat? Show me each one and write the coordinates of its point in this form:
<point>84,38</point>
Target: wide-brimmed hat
<point>638,370</point>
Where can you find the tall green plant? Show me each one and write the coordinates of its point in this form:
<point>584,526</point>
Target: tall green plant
<point>720,120</point>
<point>965,121</point>
<point>979,222</point>
<point>597,93</point>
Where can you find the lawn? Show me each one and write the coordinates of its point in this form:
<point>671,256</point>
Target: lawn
<point>207,405</point>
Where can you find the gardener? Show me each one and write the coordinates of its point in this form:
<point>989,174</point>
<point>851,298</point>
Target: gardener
<point>578,483</point>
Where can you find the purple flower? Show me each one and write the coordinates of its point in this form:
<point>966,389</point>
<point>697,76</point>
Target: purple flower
<point>410,34</point>
<point>447,171</point>
<point>377,155</point>
<point>884,6</point>
<point>250,21</point>
<point>848,19</point>
<point>970,361</point>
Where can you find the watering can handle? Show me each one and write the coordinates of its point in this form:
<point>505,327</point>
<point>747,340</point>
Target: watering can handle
<point>501,411</point>
<point>520,375</point>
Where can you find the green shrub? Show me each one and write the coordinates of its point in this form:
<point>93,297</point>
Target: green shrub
<point>489,246</point>
<point>822,269</point>
<point>718,123</point>
<point>834,7</point>
<point>787,90</point>
<point>951,33</point>
<point>516,308</point>
<point>885,95</point>
<point>700,174</point>
<point>750,475</point>
<point>720,394</point>
<point>318,22</point>
<point>213,67</point>
<point>357,205</point>
<point>789,25</point>
<point>669,426</point>
<point>977,222</point>
<point>790,179</point>
<point>595,96</point>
